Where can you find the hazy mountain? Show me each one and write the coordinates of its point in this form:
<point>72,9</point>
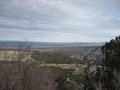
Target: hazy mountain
<point>14,44</point>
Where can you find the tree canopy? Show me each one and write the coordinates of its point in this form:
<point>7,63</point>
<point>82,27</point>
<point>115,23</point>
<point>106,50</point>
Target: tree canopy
<point>111,50</point>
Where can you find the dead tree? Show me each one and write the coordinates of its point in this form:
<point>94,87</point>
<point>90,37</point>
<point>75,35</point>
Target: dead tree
<point>89,70</point>
<point>23,51</point>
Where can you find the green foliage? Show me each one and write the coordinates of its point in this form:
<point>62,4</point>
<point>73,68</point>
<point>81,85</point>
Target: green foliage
<point>56,58</point>
<point>79,78</point>
<point>98,62</point>
<point>107,76</point>
<point>111,64</point>
<point>65,77</point>
<point>111,50</point>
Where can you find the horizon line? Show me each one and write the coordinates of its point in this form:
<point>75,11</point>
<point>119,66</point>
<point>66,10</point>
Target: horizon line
<point>50,41</point>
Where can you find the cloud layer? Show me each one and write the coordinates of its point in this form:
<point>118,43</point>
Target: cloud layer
<point>59,20</point>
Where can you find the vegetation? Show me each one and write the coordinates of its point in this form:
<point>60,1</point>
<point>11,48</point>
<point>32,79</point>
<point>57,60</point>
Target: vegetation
<point>32,77</point>
<point>111,64</point>
<point>111,50</point>
<point>95,74</point>
<point>106,76</point>
<point>56,58</point>
<point>27,77</point>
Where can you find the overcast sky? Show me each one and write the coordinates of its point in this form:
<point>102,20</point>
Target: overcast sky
<point>60,20</point>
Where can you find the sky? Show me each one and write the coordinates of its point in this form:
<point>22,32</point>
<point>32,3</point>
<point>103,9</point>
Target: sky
<point>59,20</point>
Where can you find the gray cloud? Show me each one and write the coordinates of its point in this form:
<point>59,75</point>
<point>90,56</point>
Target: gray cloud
<point>57,20</point>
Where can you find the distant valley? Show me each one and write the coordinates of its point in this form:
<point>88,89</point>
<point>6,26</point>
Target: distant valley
<point>77,49</point>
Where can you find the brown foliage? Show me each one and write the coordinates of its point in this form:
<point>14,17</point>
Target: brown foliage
<point>29,78</point>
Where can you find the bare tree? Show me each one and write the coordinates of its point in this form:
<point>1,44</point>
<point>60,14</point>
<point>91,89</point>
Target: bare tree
<point>89,70</point>
<point>23,51</point>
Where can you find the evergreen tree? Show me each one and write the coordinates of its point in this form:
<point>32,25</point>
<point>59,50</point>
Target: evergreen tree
<point>111,50</point>
<point>111,64</point>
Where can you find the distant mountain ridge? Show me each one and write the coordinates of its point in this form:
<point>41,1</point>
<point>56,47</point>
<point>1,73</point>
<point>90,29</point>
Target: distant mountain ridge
<point>14,44</point>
